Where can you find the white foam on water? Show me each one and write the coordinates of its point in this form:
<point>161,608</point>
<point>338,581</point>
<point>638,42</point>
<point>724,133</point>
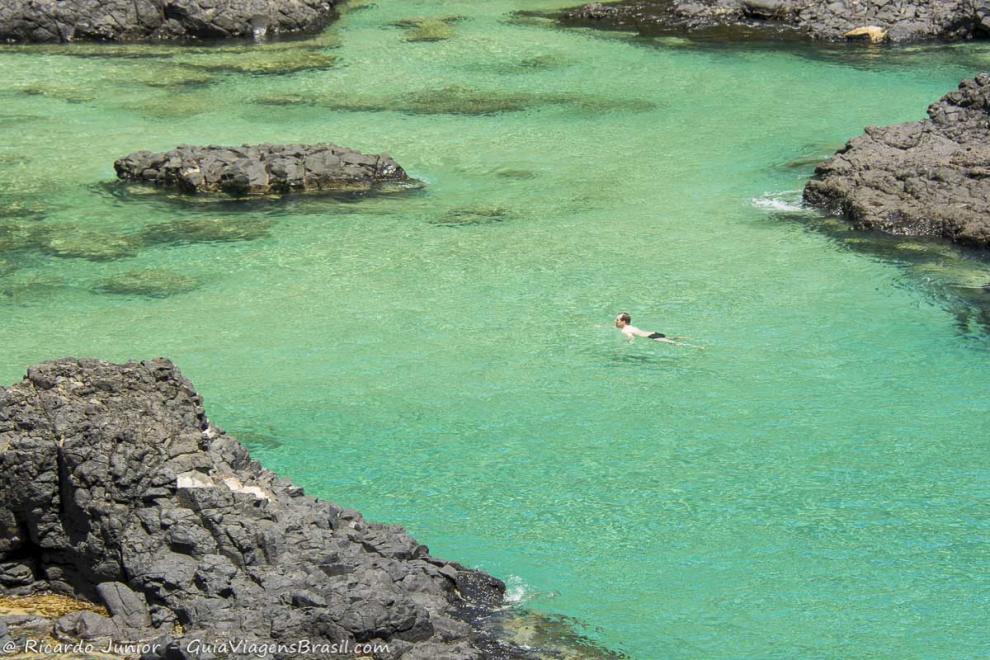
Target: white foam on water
<point>785,202</point>
<point>516,591</point>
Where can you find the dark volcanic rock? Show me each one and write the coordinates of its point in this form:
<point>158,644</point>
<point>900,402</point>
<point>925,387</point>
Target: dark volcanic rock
<point>261,169</point>
<point>115,487</point>
<point>128,20</point>
<point>925,178</point>
<point>832,20</point>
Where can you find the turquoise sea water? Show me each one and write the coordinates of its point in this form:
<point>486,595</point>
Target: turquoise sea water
<point>813,484</point>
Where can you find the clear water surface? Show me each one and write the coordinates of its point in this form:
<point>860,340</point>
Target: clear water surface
<point>814,483</point>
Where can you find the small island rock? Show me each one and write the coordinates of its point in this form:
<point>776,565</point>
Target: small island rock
<point>260,169</point>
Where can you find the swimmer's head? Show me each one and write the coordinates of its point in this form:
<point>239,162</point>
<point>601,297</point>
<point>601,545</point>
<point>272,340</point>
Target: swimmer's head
<point>622,320</point>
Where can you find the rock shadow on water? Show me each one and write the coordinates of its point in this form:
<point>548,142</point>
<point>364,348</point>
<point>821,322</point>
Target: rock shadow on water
<point>372,202</point>
<point>206,230</point>
<point>872,58</point>
<point>95,50</point>
<point>954,277</point>
<point>276,204</point>
<point>807,158</point>
<point>515,173</point>
<point>148,283</point>
<point>626,359</point>
<point>179,49</point>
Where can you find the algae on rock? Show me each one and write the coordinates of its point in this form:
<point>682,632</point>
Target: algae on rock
<point>430,28</point>
<point>206,230</point>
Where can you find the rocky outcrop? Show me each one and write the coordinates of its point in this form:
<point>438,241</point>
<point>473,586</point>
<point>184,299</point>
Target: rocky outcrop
<point>40,21</point>
<point>832,20</point>
<point>260,170</point>
<point>116,488</point>
<point>925,178</point>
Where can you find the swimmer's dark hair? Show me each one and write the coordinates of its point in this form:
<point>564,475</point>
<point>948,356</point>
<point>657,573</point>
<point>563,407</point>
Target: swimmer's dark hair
<point>624,317</point>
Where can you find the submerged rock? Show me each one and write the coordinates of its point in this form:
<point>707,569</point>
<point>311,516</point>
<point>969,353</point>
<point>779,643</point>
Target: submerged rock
<point>172,106</point>
<point>116,488</point>
<point>20,234</point>
<point>68,93</point>
<point>169,76</point>
<point>260,170</point>
<point>92,245</point>
<point>263,61</point>
<point>450,100</point>
<point>21,208</point>
<point>436,28</point>
<point>152,283</point>
<point>134,20</point>
<point>467,216</point>
<point>36,290</point>
<point>515,173</point>
<point>925,178</point>
<point>872,21</point>
<point>457,100</point>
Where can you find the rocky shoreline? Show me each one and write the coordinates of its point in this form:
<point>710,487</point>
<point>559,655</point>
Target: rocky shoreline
<point>924,178</point>
<point>828,20</point>
<point>115,488</point>
<point>260,169</point>
<point>29,21</point>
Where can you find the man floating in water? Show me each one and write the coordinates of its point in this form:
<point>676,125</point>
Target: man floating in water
<point>624,323</point>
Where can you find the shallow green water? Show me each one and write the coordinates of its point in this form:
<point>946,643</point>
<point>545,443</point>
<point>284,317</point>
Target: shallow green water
<point>815,483</point>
